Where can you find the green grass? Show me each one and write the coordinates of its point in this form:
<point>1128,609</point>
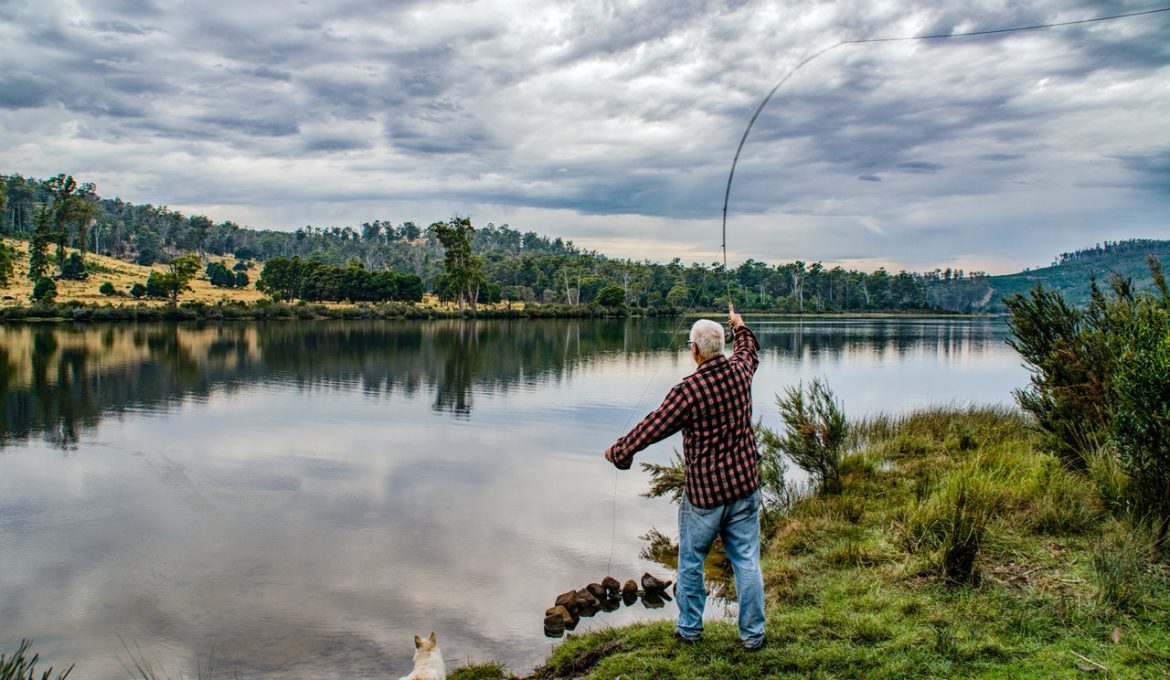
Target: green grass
<point>21,666</point>
<point>858,584</point>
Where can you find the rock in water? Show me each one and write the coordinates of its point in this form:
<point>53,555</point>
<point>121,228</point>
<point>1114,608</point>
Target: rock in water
<point>585,600</point>
<point>554,625</point>
<point>630,589</point>
<point>612,587</point>
<point>561,612</point>
<point>653,601</point>
<point>568,601</point>
<point>598,591</point>
<point>653,585</point>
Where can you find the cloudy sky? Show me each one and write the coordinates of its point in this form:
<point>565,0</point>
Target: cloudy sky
<point>614,123</point>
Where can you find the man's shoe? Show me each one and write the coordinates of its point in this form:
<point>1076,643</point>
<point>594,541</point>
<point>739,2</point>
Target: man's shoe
<point>752,648</point>
<point>686,640</point>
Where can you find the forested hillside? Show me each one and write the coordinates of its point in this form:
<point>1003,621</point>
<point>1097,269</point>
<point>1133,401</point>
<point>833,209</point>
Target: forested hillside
<point>527,266</point>
<point>1070,273</point>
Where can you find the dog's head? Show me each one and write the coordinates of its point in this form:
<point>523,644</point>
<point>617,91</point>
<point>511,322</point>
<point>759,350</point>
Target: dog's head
<point>423,647</point>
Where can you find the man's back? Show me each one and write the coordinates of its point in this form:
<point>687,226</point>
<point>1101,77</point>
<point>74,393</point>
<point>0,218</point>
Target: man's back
<point>713,408</point>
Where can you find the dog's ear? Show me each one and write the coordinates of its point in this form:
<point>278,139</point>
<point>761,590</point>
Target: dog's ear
<point>432,637</point>
<point>417,642</point>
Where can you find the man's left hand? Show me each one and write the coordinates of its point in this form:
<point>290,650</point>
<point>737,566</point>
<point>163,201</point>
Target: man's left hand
<point>609,454</point>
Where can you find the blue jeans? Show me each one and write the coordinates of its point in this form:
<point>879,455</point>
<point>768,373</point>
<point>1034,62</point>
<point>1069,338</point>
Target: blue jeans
<point>738,524</point>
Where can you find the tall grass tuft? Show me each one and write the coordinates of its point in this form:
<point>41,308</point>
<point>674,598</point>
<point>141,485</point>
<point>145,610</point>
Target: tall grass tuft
<point>1122,566</point>
<point>963,533</point>
<point>1062,501</point>
<point>952,523</point>
<point>1108,476</point>
<point>22,667</point>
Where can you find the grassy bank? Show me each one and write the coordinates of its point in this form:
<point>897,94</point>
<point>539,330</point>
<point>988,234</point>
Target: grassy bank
<point>871,582</point>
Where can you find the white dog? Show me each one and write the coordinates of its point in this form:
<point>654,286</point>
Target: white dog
<point>428,660</point>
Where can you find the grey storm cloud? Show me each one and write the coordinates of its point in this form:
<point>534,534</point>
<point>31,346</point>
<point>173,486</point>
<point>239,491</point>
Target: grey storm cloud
<point>608,120</point>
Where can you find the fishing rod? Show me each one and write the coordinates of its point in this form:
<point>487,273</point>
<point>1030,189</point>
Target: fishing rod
<point>942,36</point>
<point>743,140</point>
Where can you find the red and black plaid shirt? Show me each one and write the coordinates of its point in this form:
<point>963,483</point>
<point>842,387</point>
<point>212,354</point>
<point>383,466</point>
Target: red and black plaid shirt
<point>713,408</point>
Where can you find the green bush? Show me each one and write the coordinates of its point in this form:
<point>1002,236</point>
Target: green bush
<point>1102,376</point>
<point>1141,383</point>
<point>815,434</point>
<point>73,268</point>
<point>7,264</point>
<point>44,290</point>
<point>219,275</point>
<point>611,296</point>
<point>1070,364</point>
<point>107,288</point>
<point>156,285</point>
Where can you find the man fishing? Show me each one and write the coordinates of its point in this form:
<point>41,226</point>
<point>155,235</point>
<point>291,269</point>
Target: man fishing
<point>713,408</point>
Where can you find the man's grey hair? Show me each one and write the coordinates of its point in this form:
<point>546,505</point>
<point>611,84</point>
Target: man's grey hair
<point>707,336</point>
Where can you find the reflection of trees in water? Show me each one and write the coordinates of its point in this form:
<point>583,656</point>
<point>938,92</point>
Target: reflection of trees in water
<point>717,571</point>
<point>838,338</point>
<point>57,381</point>
<point>72,376</point>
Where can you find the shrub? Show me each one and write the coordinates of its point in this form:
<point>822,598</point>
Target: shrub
<point>44,290</point>
<point>1069,363</point>
<point>1103,375</point>
<point>666,479</point>
<point>156,285</point>
<point>7,264</point>
<point>219,275</point>
<point>107,288</point>
<point>73,268</point>
<point>815,433</point>
<point>611,296</point>
<point>137,291</point>
<point>1141,383</point>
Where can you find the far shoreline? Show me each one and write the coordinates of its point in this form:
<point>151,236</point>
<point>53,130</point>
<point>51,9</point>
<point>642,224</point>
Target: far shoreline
<point>84,312</point>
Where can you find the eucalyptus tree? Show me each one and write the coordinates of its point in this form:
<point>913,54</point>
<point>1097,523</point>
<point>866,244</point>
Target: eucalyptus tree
<point>464,271</point>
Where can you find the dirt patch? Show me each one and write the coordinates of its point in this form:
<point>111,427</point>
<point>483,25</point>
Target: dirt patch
<point>581,663</point>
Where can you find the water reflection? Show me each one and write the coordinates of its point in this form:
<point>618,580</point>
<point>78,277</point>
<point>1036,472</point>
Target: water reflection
<point>59,381</point>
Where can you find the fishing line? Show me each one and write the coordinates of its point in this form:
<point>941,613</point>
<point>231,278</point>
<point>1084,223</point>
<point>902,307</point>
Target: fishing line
<point>634,410</point>
<point>942,36</point>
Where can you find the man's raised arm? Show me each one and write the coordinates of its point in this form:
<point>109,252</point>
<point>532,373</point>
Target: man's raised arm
<point>745,347</point>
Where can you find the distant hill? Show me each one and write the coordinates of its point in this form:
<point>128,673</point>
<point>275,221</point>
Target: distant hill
<point>518,266</point>
<point>1071,273</point>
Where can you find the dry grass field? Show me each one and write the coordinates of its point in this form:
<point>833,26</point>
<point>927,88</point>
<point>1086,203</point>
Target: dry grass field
<point>125,274</point>
<point>122,275</point>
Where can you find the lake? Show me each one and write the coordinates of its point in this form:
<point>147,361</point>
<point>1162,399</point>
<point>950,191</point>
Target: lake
<point>298,499</point>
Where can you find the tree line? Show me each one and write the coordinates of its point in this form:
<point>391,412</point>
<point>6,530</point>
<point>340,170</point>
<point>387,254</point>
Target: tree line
<point>467,265</point>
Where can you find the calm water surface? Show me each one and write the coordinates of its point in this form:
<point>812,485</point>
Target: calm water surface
<point>302,498</point>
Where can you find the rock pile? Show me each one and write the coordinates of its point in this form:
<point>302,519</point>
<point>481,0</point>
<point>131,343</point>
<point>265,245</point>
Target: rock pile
<point>608,595</point>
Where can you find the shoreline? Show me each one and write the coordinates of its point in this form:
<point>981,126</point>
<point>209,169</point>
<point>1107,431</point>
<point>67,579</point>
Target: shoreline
<point>75,312</point>
<point>857,582</point>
